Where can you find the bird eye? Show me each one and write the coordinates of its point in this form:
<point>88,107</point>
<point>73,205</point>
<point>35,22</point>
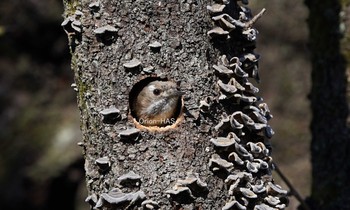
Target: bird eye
<point>156,91</point>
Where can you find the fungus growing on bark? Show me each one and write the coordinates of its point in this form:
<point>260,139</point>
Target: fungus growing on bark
<point>103,163</point>
<point>106,34</point>
<point>150,204</point>
<point>215,8</point>
<point>132,64</point>
<point>119,199</point>
<point>131,134</point>
<point>111,115</point>
<point>245,159</point>
<point>216,163</point>
<point>155,46</point>
<point>218,31</point>
<point>130,178</point>
<point>180,194</point>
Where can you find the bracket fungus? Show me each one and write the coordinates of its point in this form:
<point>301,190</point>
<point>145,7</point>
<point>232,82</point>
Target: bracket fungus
<point>148,69</point>
<point>106,34</point>
<point>257,117</point>
<point>94,5</point>
<point>118,198</point>
<point>111,115</point>
<point>225,21</point>
<point>155,46</point>
<point>71,25</point>
<point>130,178</point>
<point>227,88</point>
<point>132,64</point>
<point>150,204</point>
<point>250,34</point>
<point>258,187</point>
<point>233,205</point>
<point>204,105</point>
<point>254,147</point>
<point>74,86</point>
<point>216,163</point>
<point>105,29</point>
<point>272,200</point>
<point>268,132</point>
<point>239,175</point>
<point>216,8</point>
<point>244,159</point>
<point>274,189</point>
<point>103,163</point>
<point>247,193</point>
<point>188,189</point>
<point>223,142</point>
<point>265,110</point>
<point>91,199</point>
<point>263,207</point>
<point>223,124</point>
<point>197,187</point>
<point>233,187</point>
<point>223,70</point>
<point>252,167</point>
<point>234,157</point>
<point>131,134</point>
<point>180,194</point>
<point>218,32</point>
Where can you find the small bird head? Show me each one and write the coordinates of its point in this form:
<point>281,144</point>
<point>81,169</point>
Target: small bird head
<point>162,90</point>
<point>157,102</point>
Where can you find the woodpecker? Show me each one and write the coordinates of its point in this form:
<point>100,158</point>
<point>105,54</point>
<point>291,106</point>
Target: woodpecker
<point>157,103</point>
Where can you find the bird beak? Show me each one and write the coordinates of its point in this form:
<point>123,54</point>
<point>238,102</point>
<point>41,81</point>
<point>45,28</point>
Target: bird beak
<point>177,93</point>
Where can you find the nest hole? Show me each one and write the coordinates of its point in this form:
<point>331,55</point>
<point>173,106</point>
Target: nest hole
<point>168,123</point>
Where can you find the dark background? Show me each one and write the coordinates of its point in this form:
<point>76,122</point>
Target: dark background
<point>41,166</point>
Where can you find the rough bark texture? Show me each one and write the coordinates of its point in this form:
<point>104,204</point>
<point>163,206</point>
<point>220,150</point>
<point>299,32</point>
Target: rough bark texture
<point>218,156</point>
<point>330,132</point>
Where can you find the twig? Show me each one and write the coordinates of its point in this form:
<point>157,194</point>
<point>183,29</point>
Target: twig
<point>254,19</point>
<point>292,189</point>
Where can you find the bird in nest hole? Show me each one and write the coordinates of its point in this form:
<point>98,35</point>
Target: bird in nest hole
<point>158,103</point>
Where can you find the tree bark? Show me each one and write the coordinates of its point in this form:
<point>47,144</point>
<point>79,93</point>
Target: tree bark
<point>217,155</point>
<point>330,131</point>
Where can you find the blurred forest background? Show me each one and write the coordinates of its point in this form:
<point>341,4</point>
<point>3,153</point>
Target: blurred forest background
<point>41,166</point>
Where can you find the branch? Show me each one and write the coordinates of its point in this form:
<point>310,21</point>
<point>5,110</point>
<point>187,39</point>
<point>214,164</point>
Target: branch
<point>291,187</point>
<point>255,18</point>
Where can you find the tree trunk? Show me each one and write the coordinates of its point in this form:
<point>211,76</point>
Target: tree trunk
<point>330,132</point>
<point>217,154</point>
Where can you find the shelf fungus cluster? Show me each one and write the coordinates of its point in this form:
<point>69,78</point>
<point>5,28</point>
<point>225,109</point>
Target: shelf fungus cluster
<point>119,199</point>
<point>73,28</point>
<point>242,152</point>
<point>186,190</point>
<point>111,115</point>
<point>72,23</point>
